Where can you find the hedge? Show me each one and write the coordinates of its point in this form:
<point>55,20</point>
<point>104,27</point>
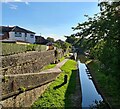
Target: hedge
<point>13,48</point>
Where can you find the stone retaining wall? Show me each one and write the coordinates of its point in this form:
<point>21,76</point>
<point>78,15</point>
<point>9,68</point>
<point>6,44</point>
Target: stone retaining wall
<point>16,83</point>
<point>25,99</point>
<point>26,62</point>
<point>22,81</point>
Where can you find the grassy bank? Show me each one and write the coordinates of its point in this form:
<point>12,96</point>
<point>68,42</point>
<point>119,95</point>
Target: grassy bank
<point>48,67</point>
<point>62,59</point>
<point>13,48</point>
<point>59,93</point>
<point>107,83</point>
<point>51,65</point>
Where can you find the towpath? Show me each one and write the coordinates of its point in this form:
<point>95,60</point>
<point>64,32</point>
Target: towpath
<point>56,68</point>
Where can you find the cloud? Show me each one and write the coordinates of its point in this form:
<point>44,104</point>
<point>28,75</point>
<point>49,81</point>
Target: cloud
<point>11,0</point>
<point>17,0</point>
<point>55,36</point>
<point>27,3</point>
<point>13,6</point>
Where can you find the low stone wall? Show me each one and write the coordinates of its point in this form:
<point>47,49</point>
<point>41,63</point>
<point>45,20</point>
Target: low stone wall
<point>25,99</point>
<point>26,62</point>
<point>13,84</point>
<point>22,81</point>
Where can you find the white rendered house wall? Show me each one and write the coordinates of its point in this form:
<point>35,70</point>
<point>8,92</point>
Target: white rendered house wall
<point>27,37</point>
<point>30,37</point>
<point>16,36</point>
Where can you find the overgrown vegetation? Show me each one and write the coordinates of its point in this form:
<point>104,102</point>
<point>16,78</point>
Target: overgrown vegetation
<point>100,35</point>
<point>103,41</point>
<point>63,45</point>
<point>107,83</point>
<point>59,94</point>
<point>22,89</point>
<point>60,44</point>
<point>12,48</point>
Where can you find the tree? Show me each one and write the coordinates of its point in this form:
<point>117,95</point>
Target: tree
<point>103,36</point>
<point>71,39</point>
<point>63,45</point>
<point>50,39</point>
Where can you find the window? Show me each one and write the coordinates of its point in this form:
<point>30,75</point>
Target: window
<point>18,34</point>
<point>31,36</point>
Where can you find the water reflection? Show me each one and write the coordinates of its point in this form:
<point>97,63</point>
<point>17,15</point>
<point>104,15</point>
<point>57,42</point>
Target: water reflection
<point>90,96</point>
<point>98,105</point>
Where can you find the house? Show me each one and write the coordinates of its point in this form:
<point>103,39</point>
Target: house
<point>16,33</point>
<point>40,40</point>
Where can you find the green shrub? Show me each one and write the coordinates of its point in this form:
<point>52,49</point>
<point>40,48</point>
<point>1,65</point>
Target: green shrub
<point>30,47</point>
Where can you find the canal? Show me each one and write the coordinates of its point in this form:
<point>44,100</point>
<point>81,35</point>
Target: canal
<point>90,96</point>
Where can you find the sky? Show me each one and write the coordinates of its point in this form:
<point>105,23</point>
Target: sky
<point>49,19</point>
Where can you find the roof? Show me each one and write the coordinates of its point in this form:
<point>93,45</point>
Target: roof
<point>14,29</point>
<point>40,40</point>
<point>49,44</point>
<point>5,28</point>
<point>19,29</point>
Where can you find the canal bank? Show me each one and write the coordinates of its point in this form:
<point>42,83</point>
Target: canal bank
<point>62,94</point>
<point>91,97</point>
<point>97,85</point>
<point>106,84</point>
<point>84,59</point>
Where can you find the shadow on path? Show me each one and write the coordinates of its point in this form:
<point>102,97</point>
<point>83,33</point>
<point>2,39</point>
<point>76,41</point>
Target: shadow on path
<point>73,92</point>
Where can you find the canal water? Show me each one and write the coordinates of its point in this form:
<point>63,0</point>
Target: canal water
<point>90,96</point>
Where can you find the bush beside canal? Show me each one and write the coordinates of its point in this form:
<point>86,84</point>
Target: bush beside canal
<point>107,83</point>
<point>61,94</point>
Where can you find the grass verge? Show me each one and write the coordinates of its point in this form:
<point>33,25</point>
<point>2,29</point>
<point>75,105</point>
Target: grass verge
<point>62,59</point>
<point>51,65</point>
<point>48,66</point>
<point>108,84</point>
<point>59,93</point>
